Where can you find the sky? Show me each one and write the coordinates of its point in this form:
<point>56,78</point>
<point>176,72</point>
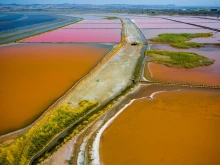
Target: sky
<point>147,2</point>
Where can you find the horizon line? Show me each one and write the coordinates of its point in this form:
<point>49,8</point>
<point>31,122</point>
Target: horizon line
<point>109,4</point>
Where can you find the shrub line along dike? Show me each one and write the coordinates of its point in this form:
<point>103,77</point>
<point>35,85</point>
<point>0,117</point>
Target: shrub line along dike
<point>109,79</point>
<point>204,27</point>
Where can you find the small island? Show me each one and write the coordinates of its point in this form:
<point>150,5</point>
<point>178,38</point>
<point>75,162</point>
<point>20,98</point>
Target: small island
<point>179,40</point>
<point>178,59</point>
<point>111,18</point>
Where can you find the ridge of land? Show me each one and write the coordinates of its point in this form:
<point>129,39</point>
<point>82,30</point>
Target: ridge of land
<point>105,82</point>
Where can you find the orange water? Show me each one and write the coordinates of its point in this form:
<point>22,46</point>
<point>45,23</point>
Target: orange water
<point>175,128</point>
<point>33,76</point>
<point>209,75</point>
<point>196,75</point>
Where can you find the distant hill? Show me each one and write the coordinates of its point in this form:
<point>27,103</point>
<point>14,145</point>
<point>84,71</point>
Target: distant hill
<point>121,8</point>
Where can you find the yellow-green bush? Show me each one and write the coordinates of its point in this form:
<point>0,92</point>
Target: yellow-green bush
<point>178,59</point>
<point>179,40</point>
<point>25,147</point>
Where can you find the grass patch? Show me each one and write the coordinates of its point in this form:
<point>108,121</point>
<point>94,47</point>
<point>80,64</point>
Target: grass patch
<point>26,146</point>
<point>178,59</point>
<point>186,45</point>
<point>179,40</point>
<point>111,18</point>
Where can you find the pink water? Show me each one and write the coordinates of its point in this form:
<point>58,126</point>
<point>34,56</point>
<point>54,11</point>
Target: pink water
<point>215,39</point>
<point>141,18</point>
<point>193,20</point>
<point>100,21</point>
<point>200,21</point>
<point>78,35</point>
<point>150,21</point>
<point>180,18</point>
<point>210,17</point>
<point>152,33</point>
<point>211,25</point>
<point>94,26</point>
<point>164,26</point>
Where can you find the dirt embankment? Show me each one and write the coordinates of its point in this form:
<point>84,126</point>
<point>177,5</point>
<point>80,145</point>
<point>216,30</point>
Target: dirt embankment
<point>115,73</point>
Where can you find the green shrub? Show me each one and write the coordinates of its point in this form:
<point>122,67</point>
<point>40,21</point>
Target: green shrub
<point>111,18</point>
<point>186,45</point>
<point>178,59</point>
<point>179,40</point>
<point>25,147</point>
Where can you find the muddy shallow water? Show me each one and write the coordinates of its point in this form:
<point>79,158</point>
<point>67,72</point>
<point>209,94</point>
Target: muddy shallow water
<point>176,127</point>
<point>33,76</point>
<point>209,75</point>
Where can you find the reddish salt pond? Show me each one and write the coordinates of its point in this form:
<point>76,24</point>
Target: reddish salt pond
<point>175,128</point>
<point>209,17</point>
<point>180,18</point>
<point>148,18</point>
<point>200,21</point>
<point>201,75</point>
<point>94,26</point>
<point>152,21</point>
<point>152,33</point>
<point>133,17</point>
<point>192,19</point>
<point>211,25</point>
<point>100,21</point>
<point>195,20</point>
<point>78,35</point>
<point>33,76</point>
<point>166,26</point>
<point>86,16</point>
<point>215,39</point>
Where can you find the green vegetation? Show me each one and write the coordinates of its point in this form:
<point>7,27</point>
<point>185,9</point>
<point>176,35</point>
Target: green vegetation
<point>111,18</point>
<point>178,59</point>
<point>179,40</point>
<point>26,146</point>
<point>82,125</point>
<point>186,45</point>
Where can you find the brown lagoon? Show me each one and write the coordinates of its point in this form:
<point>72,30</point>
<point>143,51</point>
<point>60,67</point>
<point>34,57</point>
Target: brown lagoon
<point>175,127</point>
<point>34,76</point>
